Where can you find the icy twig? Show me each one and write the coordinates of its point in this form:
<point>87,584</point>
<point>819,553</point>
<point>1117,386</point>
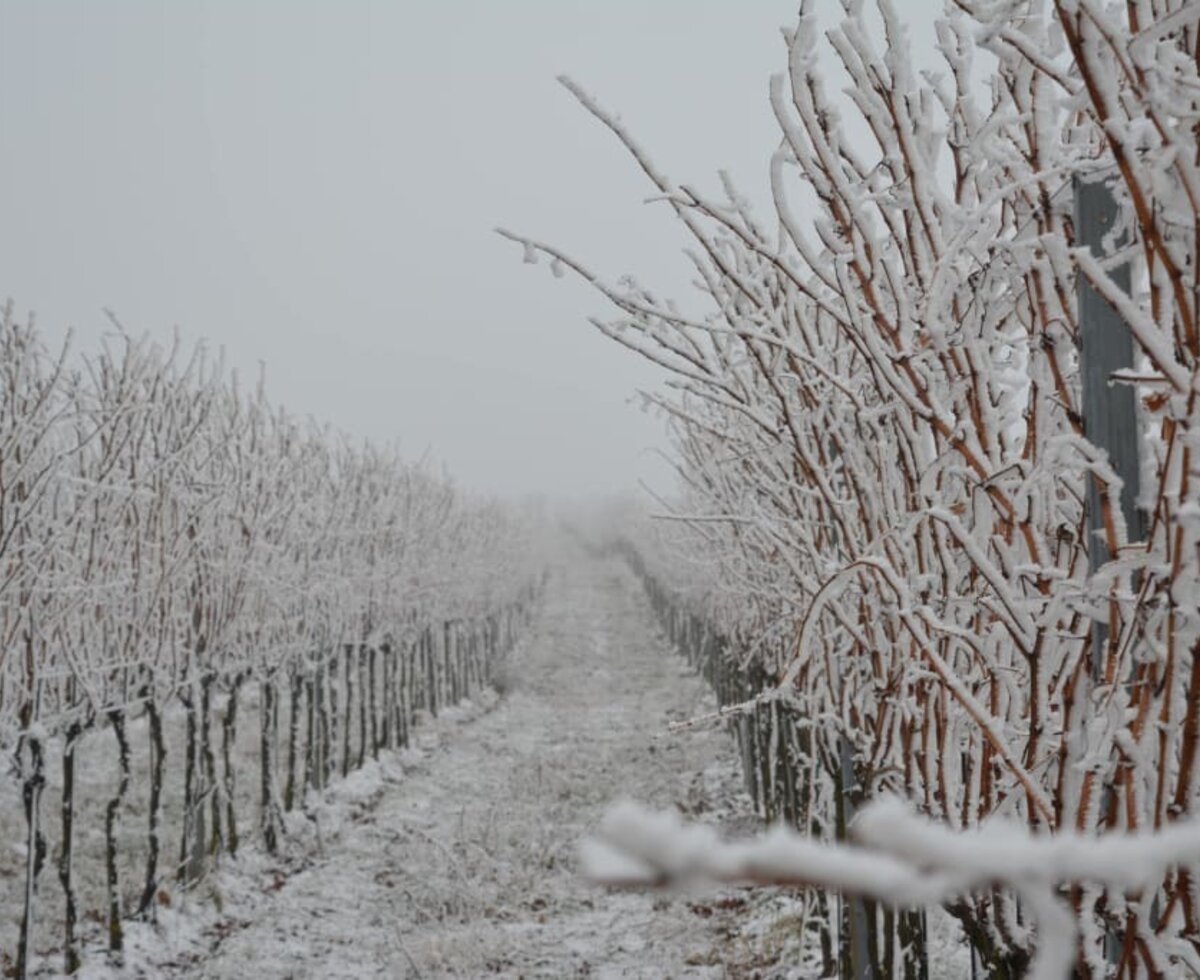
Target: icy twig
<point>899,858</point>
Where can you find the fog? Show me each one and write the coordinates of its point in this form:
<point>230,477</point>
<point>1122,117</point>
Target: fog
<point>313,187</point>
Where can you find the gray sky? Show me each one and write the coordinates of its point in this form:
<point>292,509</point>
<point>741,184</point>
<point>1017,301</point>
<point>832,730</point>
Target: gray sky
<point>314,185</point>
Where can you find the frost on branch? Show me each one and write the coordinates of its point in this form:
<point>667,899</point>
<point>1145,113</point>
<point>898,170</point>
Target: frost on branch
<point>173,546</point>
<point>899,859</point>
<point>877,422</point>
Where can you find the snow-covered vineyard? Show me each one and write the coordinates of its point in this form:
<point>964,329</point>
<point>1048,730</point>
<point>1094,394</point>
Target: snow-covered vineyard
<point>209,610</point>
<point>902,680</point>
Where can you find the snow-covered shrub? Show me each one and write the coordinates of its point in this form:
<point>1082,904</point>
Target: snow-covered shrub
<point>879,422</point>
<point>173,546</point>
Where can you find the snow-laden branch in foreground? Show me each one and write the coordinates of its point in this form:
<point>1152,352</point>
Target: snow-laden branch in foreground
<point>899,858</point>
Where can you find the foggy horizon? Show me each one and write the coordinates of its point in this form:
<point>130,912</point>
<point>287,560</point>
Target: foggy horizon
<point>315,189</point>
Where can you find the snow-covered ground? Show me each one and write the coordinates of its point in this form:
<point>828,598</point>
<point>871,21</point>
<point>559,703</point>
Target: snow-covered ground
<point>458,857</point>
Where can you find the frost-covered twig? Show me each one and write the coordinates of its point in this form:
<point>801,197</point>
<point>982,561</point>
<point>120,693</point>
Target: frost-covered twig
<point>899,858</point>
<point>884,466</point>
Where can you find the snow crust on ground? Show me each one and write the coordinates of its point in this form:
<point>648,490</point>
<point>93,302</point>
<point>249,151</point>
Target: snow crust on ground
<point>459,857</point>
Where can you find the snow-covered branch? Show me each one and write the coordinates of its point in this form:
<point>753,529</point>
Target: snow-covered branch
<point>898,858</point>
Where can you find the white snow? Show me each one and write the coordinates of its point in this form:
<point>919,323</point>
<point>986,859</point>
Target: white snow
<point>459,857</point>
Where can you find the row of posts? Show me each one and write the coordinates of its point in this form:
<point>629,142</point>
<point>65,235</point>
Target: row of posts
<point>317,718</point>
<point>788,773</point>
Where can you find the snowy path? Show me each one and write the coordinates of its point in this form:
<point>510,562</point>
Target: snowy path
<point>465,864</point>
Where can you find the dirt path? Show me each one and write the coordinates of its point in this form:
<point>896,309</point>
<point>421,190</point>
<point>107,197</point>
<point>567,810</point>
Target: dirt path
<point>464,866</point>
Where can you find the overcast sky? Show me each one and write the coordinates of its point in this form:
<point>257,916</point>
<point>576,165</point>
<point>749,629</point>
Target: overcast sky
<point>314,186</point>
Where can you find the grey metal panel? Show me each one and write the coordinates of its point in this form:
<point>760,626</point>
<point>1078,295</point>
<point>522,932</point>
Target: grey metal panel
<point>1109,410</point>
